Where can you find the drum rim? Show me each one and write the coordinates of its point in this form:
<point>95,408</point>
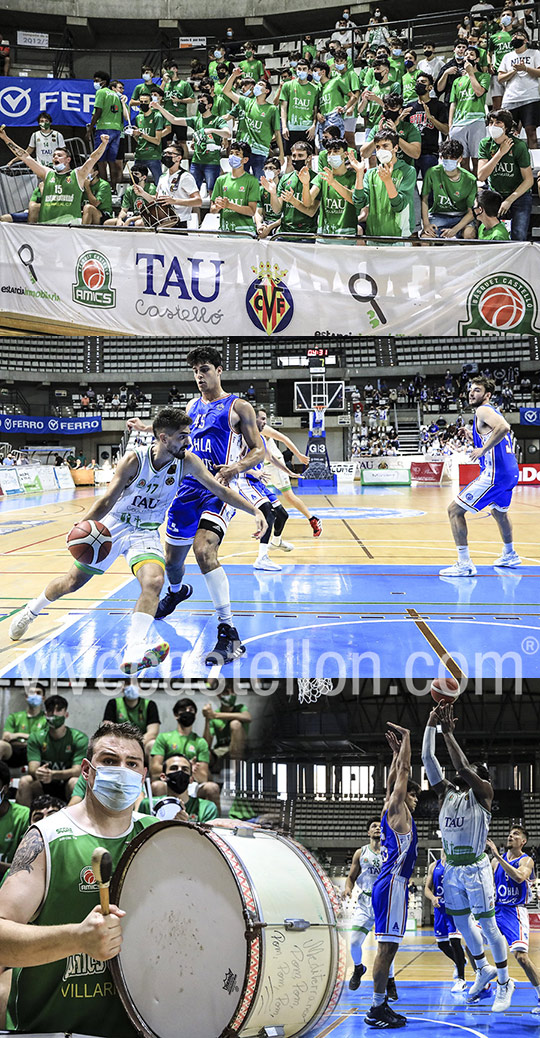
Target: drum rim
<point>251,936</point>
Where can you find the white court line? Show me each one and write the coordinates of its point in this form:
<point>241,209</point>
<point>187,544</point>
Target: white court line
<point>399,619</point>
<point>65,625</point>
<point>447,1023</point>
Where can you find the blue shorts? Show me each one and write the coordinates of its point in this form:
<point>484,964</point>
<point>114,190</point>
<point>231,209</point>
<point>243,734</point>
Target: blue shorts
<point>444,925</point>
<point>111,151</point>
<point>483,492</point>
<point>256,491</point>
<point>513,922</point>
<point>192,505</point>
<point>390,897</point>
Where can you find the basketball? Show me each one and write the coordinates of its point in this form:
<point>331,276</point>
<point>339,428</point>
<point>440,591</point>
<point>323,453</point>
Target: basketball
<point>445,690</point>
<point>93,274</point>
<point>89,542</point>
<point>502,307</point>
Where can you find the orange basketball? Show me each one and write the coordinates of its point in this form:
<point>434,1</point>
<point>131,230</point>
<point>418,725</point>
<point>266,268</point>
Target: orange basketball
<point>89,542</point>
<point>502,306</point>
<point>93,274</point>
<point>445,690</point>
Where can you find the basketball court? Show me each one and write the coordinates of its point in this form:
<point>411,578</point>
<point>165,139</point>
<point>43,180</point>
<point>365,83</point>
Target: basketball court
<point>363,600</point>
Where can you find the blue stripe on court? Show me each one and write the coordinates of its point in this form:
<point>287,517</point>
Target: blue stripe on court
<point>307,619</point>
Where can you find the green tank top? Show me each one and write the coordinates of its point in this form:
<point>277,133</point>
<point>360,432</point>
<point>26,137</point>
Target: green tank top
<point>134,715</point>
<point>74,994</point>
<point>61,198</point>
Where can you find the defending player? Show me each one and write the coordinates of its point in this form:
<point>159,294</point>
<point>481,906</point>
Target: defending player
<point>365,867</point>
<point>251,486</point>
<point>464,817</point>
<point>493,487</point>
<point>447,935</point>
<point>197,517</point>
<point>133,508</point>
<point>391,888</point>
<point>274,476</point>
<point>513,872</point>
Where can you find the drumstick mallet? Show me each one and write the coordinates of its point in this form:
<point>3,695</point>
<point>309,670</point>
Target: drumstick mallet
<point>102,869</point>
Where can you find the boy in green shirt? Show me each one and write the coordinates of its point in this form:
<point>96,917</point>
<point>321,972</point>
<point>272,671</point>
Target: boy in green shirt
<point>236,194</point>
<point>20,725</point>
<point>210,133</point>
<point>486,210</point>
<point>333,98</point>
<point>177,775</point>
<point>373,100</point>
<point>386,191</point>
<point>130,214</point>
<point>14,820</point>
<point>452,191</point>
<point>147,73</point>
<point>54,757</point>
<point>298,101</point>
<point>147,134</point>
<point>251,66</point>
<point>410,138</point>
<point>504,161</point>
<point>291,198</point>
<point>261,118</point>
<point>107,117</point>
<point>334,187</point>
<point>97,199</point>
<point>266,220</point>
<point>499,44</point>
<point>467,114</point>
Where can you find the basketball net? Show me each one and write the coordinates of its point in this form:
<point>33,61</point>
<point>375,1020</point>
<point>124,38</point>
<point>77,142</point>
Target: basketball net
<point>310,689</point>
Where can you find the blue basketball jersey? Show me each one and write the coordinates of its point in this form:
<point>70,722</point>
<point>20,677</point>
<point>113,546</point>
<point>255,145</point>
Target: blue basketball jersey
<point>213,438</point>
<point>398,850</point>
<point>438,873</point>
<point>507,891</point>
<point>499,462</point>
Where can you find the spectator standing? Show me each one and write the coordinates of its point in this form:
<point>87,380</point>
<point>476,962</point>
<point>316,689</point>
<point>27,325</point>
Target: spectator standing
<point>298,103</point>
<point>334,187</point>
<point>147,75</point>
<point>410,75</point>
<point>373,100</point>
<point>519,74</point>
<point>431,62</point>
<point>332,100</point>
<point>44,141</point>
<point>451,71</point>
<point>396,118</point>
<point>466,118</point>
<point>261,119</point>
<point>147,134</point>
<point>107,117</point>
<point>210,133</point>
<point>430,116</point>
<point>236,194</point>
<point>505,163</point>
<point>179,100</point>
<point>251,65</point>
<point>387,191</point>
<point>499,44</point>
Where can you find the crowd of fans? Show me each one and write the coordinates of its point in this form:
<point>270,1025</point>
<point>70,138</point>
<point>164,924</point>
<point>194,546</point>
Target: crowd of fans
<point>41,755</point>
<point>446,149</point>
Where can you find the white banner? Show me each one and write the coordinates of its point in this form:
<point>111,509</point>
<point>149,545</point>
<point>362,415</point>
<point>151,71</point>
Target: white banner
<point>32,39</point>
<point>401,477</point>
<point>9,480</point>
<point>30,478</point>
<point>63,477</point>
<point>170,285</point>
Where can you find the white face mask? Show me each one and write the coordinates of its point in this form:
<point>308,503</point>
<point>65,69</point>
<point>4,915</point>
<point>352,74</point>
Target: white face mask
<point>258,90</point>
<point>97,85</point>
<point>270,174</point>
<point>335,160</point>
<point>59,167</point>
<point>147,77</point>
<point>495,132</point>
<point>383,155</point>
<point>155,97</point>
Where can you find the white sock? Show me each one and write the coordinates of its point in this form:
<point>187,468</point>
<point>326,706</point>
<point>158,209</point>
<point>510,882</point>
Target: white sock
<point>378,999</point>
<point>391,972</point>
<point>481,963</point>
<point>537,992</point>
<point>39,603</point>
<point>263,551</point>
<point>175,587</point>
<point>463,553</point>
<point>139,625</point>
<point>502,974</point>
<point>218,589</point>
<point>508,548</point>
<point>275,540</point>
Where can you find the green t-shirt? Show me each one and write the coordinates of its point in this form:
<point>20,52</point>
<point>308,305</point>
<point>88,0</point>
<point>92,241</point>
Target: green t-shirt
<point>103,194</point>
<point>142,88</point>
<point>407,85</point>
<point>336,215</point>
<point>131,202</point>
<point>449,196</point>
<point>292,219</point>
<point>61,198</point>
<point>496,233</point>
<point>150,123</point>
<point>22,722</point>
<point>199,810</point>
<point>333,95</point>
<point>500,43</point>
<point>60,754</point>
<point>407,132</point>
<point>394,77</point>
<point>170,744</point>
<point>201,138</point>
<point>74,993</point>
<point>240,190</point>
<point>397,66</point>
<point>112,117</point>
<point>469,107</point>
<point>180,88</point>
<point>266,205</point>
<point>219,728</point>
<point>238,114</point>
<point>253,68</point>
<point>222,104</point>
<point>262,124</point>
<point>301,101</point>
<point>374,111</point>
<point>79,789</point>
<point>506,176</point>
<point>388,216</point>
<point>13,826</point>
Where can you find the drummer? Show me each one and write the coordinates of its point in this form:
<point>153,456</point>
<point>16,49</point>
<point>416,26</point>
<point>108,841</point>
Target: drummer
<point>64,983</point>
<point>176,187</point>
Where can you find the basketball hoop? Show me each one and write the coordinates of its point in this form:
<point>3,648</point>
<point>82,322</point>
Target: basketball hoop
<point>310,689</point>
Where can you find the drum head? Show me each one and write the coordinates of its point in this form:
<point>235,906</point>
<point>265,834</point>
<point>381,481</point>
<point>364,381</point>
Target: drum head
<point>183,963</point>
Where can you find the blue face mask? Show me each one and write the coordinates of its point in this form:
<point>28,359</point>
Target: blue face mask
<point>235,161</point>
<point>316,77</point>
<point>340,66</point>
<point>258,90</point>
<point>131,692</point>
<point>34,700</point>
<point>449,165</point>
<point>116,788</point>
<point>303,74</point>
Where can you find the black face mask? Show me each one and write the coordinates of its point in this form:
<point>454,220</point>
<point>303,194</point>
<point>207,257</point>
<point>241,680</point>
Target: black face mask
<point>202,109</point>
<point>299,164</point>
<point>428,53</point>
<point>517,41</point>
<point>186,718</point>
<point>378,76</point>
<point>420,89</point>
<point>178,781</point>
<point>391,113</point>
<point>168,160</point>
<point>144,106</point>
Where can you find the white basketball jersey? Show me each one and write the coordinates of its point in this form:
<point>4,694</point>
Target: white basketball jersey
<point>146,499</point>
<point>370,866</point>
<point>274,450</point>
<point>464,825</point>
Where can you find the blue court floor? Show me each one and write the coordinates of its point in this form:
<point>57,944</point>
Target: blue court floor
<point>336,621</point>
<point>433,1012</point>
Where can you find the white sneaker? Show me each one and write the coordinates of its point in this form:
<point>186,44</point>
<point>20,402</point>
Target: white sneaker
<point>535,1011</point>
<point>284,545</point>
<point>21,622</point>
<point>150,657</point>
<point>503,996</point>
<point>459,569</point>
<point>459,987</point>
<point>267,564</point>
<point>484,977</point>
<point>510,558</point>
<point>455,973</point>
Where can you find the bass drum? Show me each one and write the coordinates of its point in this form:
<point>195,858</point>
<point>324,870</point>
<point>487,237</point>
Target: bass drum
<point>159,214</point>
<point>226,932</point>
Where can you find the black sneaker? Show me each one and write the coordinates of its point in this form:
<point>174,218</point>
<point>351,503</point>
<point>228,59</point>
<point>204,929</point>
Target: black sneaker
<point>358,973</point>
<point>227,648</point>
<point>384,1017</point>
<point>171,599</point>
<point>391,990</point>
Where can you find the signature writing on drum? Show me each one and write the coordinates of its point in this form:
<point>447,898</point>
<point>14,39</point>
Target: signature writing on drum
<point>297,973</point>
<point>193,314</point>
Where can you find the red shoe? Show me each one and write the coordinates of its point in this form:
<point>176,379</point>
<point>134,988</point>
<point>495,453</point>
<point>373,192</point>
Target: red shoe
<point>316,526</point>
